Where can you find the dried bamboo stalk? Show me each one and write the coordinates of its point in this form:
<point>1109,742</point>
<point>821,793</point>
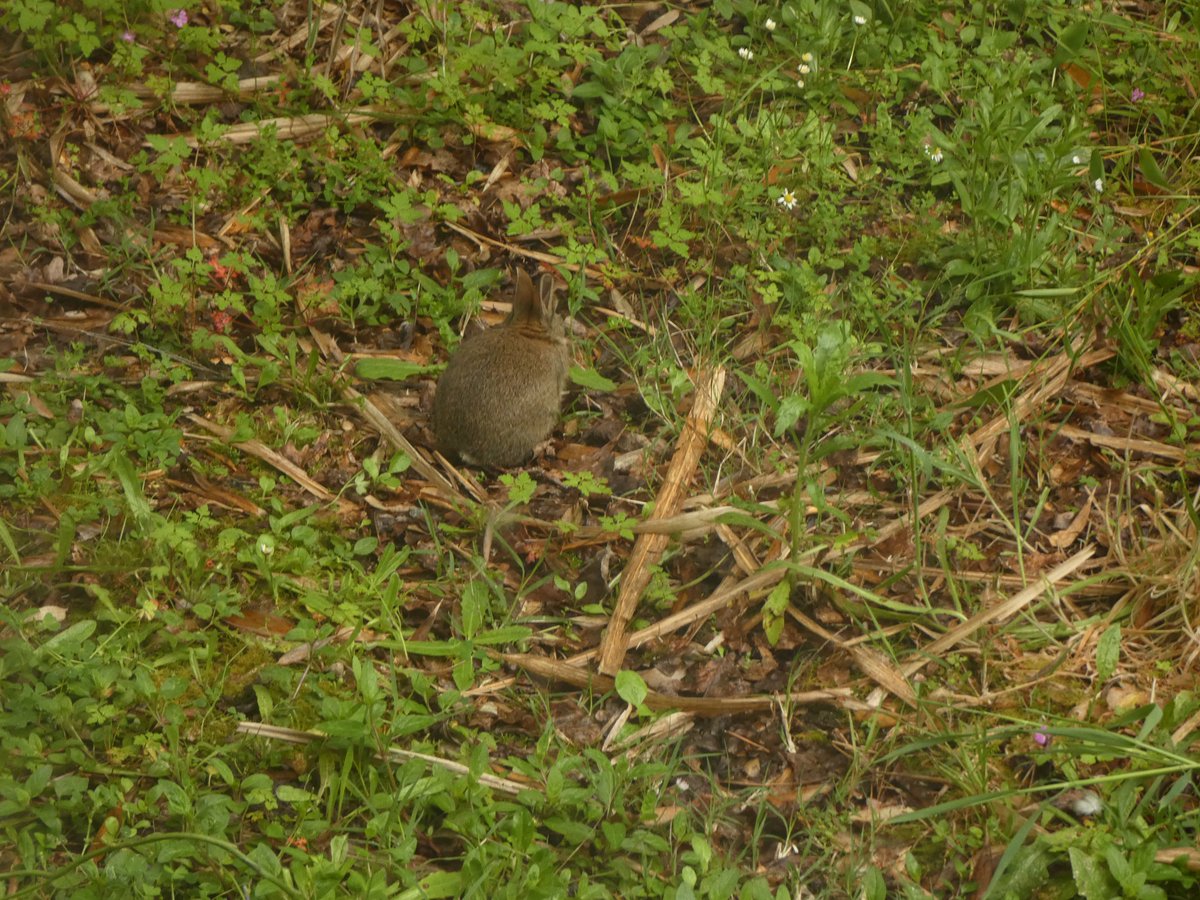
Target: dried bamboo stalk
<point>649,547</point>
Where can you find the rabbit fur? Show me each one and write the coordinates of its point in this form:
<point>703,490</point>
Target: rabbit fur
<point>501,392</point>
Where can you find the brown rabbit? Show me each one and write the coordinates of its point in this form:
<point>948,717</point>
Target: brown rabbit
<point>502,389</point>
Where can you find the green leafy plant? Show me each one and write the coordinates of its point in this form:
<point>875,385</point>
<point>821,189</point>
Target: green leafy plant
<point>945,254</point>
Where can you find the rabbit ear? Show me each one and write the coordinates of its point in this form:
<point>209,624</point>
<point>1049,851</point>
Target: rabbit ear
<point>546,292</point>
<point>524,303</point>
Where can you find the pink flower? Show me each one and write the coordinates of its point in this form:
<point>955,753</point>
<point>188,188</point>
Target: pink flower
<point>221,273</point>
<point>221,320</point>
<point>180,18</point>
<point>1137,95</point>
<point>1041,737</point>
<point>127,37</point>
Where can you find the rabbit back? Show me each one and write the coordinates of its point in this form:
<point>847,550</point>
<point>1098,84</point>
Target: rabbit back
<point>500,394</point>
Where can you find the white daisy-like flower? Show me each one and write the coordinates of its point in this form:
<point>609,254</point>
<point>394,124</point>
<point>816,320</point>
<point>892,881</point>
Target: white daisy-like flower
<point>1077,159</point>
<point>860,20</point>
<point>935,154</point>
<point>745,53</point>
<point>806,57</point>
<point>803,68</point>
<point>769,24</point>
<point>788,199</point>
<point>800,83</point>
<point>1098,184</point>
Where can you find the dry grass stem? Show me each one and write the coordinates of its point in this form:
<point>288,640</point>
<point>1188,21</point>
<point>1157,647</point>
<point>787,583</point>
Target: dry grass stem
<point>648,547</point>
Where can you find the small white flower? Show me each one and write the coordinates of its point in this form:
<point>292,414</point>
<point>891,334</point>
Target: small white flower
<point>788,199</point>
<point>1098,184</point>
<point>769,24</point>
<point>806,57</point>
<point>745,53</point>
<point>1077,159</point>
<point>800,83</point>
<point>860,20</point>
<point>803,68</point>
<point>936,155</point>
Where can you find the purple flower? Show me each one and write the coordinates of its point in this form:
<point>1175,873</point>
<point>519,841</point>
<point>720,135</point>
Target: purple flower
<point>180,18</point>
<point>1041,737</point>
<point>1137,95</point>
<point>127,37</point>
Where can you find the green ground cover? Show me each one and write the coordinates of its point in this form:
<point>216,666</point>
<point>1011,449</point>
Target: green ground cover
<point>883,315</point>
